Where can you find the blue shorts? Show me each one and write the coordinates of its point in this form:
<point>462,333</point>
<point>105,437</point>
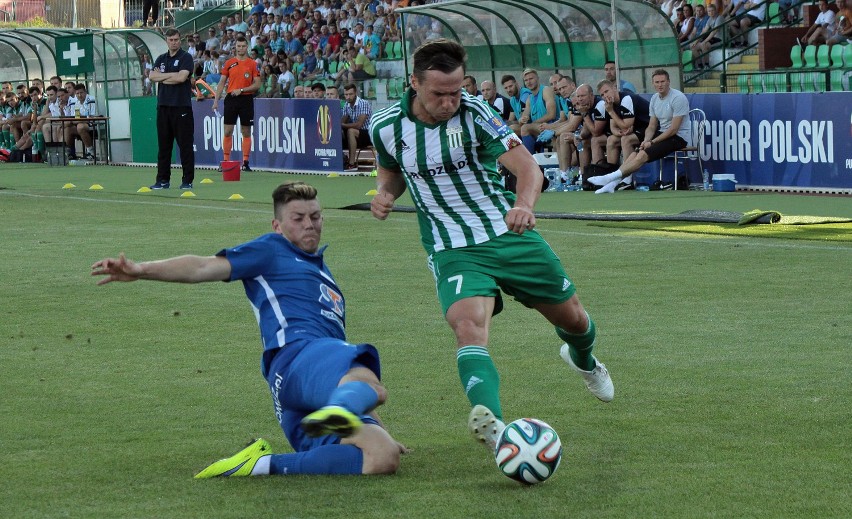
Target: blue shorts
<point>302,377</point>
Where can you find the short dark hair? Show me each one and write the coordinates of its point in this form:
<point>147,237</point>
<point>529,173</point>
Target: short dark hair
<point>507,77</point>
<point>661,72</point>
<point>318,86</point>
<point>351,86</point>
<point>51,87</point>
<point>608,62</point>
<point>171,31</point>
<point>440,54</point>
<point>289,191</point>
<point>80,86</point>
<point>35,89</point>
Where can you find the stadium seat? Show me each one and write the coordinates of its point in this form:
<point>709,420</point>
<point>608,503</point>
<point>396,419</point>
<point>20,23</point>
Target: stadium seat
<point>757,84</point>
<point>847,55</point>
<point>697,120</point>
<point>687,61</point>
<point>796,81</point>
<point>742,83</point>
<point>395,50</point>
<point>836,82</point>
<point>332,67</point>
<point>822,56</point>
<point>837,56</point>
<point>796,56</point>
<point>810,56</point>
<point>774,14</point>
<point>809,82</point>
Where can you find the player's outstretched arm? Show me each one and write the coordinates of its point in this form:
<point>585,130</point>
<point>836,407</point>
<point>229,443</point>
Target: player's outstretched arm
<point>181,269</point>
<point>390,186</point>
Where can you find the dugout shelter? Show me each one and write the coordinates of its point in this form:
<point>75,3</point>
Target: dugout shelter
<point>109,62</point>
<point>573,37</point>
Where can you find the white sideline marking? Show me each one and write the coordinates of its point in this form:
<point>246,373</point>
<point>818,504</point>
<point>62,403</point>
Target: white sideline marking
<point>755,242</point>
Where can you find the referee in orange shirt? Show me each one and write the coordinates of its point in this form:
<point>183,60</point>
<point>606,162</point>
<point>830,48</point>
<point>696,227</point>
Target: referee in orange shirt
<point>243,80</point>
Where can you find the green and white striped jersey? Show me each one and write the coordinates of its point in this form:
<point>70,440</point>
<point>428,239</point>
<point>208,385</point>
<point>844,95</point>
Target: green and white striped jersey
<point>450,169</point>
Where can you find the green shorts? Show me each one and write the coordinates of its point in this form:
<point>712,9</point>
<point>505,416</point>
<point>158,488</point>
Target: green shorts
<point>522,266</point>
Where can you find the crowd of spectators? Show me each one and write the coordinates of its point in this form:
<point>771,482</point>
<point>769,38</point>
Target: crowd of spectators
<point>300,42</point>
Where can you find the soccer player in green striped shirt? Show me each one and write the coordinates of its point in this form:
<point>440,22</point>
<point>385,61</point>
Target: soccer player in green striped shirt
<point>443,146</point>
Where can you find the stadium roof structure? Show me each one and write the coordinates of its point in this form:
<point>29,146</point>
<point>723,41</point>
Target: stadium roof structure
<point>27,54</point>
<point>573,37</point>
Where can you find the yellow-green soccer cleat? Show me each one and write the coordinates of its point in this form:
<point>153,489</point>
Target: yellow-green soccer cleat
<point>331,419</point>
<point>240,464</point>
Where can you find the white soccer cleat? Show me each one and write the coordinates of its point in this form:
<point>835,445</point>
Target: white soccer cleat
<point>609,188</point>
<point>597,380</point>
<point>484,426</point>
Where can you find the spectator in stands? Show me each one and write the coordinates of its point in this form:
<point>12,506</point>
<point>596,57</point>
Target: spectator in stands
<point>356,124</point>
<point>286,82</point>
<point>299,92</point>
<point>256,8</point>
<point>469,86</point>
<point>686,25</point>
<point>609,75</point>
<point>334,39</point>
<point>707,38</point>
<point>701,19</point>
<point>299,24</point>
<point>517,99</point>
<point>824,26</point>
<point>268,82</point>
<point>318,90</point>
<point>212,43</point>
<point>361,68</point>
<point>358,33</point>
<point>755,15</point>
<point>292,46</point>
<point>668,131</point>
<point>844,24</point>
<point>499,103</point>
<point>372,43</point>
<point>332,93</point>
<point>540,108</point>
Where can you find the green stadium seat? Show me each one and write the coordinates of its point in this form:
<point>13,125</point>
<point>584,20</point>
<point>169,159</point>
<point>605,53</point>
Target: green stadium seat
<point>332,67</point>
<point>796,56</point>
<point>396,50</point>
<point>822,56</point>
<point>796,81</point>
<point>847,55</point>
<point>774,14</point>
<point>836,80</point>
<point>687,61</point>
<point>809,82</point>
<point>810,56</point>
<point>757,84</point>
<point>837,56</point>
<point>742,83</point>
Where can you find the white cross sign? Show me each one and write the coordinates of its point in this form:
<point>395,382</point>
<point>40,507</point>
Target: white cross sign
<point>74,54</point>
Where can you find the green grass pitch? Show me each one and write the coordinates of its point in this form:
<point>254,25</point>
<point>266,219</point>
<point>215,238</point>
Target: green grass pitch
<point>730,356</point>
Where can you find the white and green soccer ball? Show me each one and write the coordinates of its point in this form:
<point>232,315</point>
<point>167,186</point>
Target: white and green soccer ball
<point>528,451</point>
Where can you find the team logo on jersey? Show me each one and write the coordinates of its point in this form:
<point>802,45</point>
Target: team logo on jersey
<point>333,297</point>
<point>324,125</point>
<point>454,137</point>
<point>246,75</point>
<point>403,146</point>
<point>512,141</point>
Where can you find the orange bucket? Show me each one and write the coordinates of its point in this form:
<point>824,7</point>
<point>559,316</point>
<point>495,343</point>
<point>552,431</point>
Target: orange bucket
<point>230,170</point>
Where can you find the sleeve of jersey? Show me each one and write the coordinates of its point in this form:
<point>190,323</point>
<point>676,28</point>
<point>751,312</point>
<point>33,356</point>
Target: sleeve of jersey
<point>492,131</point>
<point>680,106</point>
<point>186,63</point>
<point>627,107</point>
<point>249,259</point>
<point>386,159</point>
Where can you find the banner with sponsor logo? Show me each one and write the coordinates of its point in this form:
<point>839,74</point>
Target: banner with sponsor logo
<point>302,135</point>
<point>782,140</point>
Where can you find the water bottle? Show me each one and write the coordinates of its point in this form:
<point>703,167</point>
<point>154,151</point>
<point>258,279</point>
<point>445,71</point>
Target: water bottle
<point>578,140</point>
<point>552,175</point>
<point>77,112</point>
<point>705,176</point>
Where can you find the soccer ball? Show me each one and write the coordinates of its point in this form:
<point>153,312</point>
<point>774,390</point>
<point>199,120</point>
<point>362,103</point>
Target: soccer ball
<point>528,451</point>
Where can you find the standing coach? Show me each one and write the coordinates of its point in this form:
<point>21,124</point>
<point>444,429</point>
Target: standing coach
<point>174,112</point>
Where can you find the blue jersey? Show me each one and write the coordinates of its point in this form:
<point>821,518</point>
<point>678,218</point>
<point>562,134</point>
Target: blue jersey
<point>292,292</point>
